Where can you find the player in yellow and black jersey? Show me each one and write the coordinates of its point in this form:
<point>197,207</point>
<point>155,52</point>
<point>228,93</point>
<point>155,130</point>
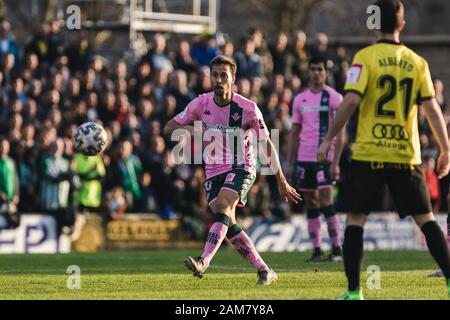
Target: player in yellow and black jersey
<point>386,81</point>
<point>391,79</point>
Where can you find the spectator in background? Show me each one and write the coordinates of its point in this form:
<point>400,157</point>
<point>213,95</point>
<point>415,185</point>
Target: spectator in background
<point>3,95</point>
<point>107,108</point>
<point>244,87</point>
<point>142,76</point>
<point>130,125</point>
<point>159,89</point>
<point>54,188</point>
<point>26,160</point>
<point>440,99</point>
<point>180,90</point>
<point>79,53</point>
<point>120,70</point>
<point>8,44</point>
<point>203,84</point>
<point>148,202</point>
<point>170,105</point>
<point>35,90</point>
<point>341,66</point>
<point>123,107</point>
<point>55,41</point>
<point>31,69</point>
<point>428,150</point>
<point>256,93</point>
<point>320,46</point>
<point>91,99</point>
<point>162,181</point>
<point>145,112</point>
<point>129,170</point>
<point>115,204</point>
<point>228,49</point>
<point>157,56</point>
<point>204,50</point>
<point>183,58</point>
<point>39,45</point>
<point>300,56</point>
<point>248,62</point>
<point>9,185</point>
<point>432,181</point>
<point>8,65</point>
<point>91,172</point>
<point>280,56</point>
<point>261,49</point>
<point>17,91</point>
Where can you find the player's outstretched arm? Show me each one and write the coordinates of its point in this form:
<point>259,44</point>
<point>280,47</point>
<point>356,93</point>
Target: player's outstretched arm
<point>287,192</point>
<point>434,116</point>
<point>172,125</point>
<point>346,109</point>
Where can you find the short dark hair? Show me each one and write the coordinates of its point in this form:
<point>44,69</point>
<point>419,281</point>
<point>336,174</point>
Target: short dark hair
<point>392,14</point>
<point>318,59</point>
<point>224,60</point>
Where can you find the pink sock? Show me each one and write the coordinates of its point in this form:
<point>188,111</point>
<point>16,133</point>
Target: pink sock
<point>244,245</point>
<point>333,230</point>
<point>216,234</point>
<point>314,232</point>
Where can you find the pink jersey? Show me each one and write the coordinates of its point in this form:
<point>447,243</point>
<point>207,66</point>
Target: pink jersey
<point>314,111</point>
<point>239,116</point>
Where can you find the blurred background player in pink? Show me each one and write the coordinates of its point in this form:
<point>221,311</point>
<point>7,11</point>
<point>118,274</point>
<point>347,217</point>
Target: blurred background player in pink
<point>313,111</point>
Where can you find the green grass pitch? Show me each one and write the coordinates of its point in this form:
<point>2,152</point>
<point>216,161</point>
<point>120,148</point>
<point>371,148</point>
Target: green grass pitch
<point>161,275</point>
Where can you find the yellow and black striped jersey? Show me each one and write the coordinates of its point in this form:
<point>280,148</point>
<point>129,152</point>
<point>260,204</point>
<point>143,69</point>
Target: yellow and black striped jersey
<point>391,80</point>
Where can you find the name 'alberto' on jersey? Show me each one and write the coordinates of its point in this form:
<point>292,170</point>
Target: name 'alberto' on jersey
<point>391,80</point>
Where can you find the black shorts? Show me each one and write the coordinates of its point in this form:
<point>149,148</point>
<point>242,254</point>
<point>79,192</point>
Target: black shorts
<point>406,184</point>
<point>236,180</point>
<point>310,176</point>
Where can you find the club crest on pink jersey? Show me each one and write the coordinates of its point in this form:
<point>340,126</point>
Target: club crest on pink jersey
<point>235,116</point>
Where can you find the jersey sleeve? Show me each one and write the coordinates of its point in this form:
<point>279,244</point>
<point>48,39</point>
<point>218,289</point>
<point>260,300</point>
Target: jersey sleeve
<point>296,114</point>
<point>259,125</point>
<point>189,114</point>
<point>336,100</point>
<point>426,89</point>
<point>357,76</point>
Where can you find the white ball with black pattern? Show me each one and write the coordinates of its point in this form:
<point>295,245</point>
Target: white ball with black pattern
<point>90,139</point>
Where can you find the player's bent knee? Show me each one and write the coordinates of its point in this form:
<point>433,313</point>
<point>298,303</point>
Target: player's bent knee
<point>311,200</point>
<point>222,205</point>
<point>421,219</point>
<point>225,202</point>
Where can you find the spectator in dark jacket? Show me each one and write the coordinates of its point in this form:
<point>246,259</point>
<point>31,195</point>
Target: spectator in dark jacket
<point>248,62</point>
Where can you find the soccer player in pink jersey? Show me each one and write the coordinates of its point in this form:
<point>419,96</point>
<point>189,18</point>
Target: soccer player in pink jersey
<point>313,111</point>
<point>227,182</point>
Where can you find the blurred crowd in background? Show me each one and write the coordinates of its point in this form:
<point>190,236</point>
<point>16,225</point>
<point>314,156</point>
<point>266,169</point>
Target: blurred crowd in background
<point>51,85</point>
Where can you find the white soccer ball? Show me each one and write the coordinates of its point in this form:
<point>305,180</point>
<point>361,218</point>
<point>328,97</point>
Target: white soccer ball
<point>90,139</point>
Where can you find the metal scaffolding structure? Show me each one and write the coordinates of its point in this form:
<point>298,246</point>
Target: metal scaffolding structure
<point>141,16</point>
